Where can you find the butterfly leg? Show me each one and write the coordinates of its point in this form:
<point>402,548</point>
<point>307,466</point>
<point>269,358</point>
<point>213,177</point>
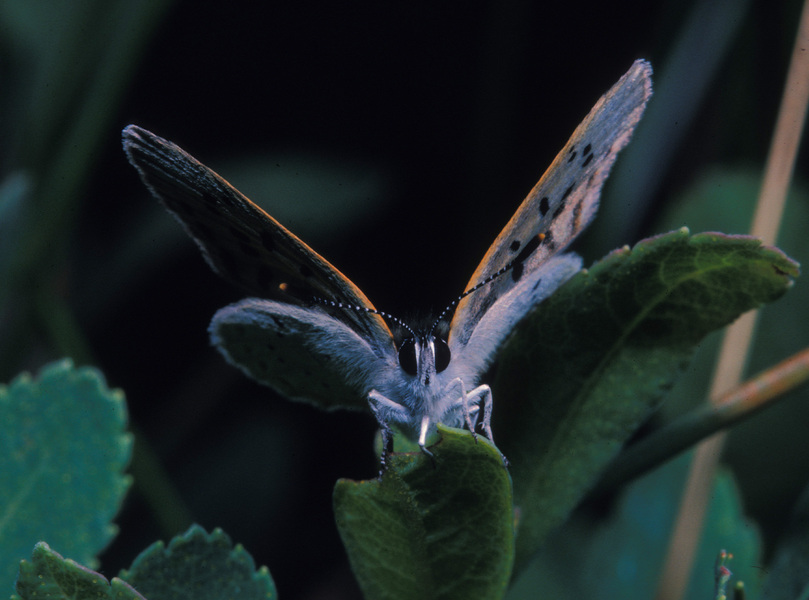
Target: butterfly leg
<point>481,397</point>
<point>483,394</point>
<point>473,403</point>
<point>384,410</point>
<point>425,427</point>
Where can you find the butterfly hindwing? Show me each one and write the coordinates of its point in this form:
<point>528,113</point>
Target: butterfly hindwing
<point>240,241</point>
<point>302,353</point>
<point>562,203</point>
<point>476,354</point>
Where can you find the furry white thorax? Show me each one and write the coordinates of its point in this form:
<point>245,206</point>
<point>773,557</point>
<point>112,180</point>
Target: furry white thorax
<point>417,402</point>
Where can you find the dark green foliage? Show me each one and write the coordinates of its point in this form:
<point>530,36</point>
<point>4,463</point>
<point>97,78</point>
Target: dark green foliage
<point>431,529</point>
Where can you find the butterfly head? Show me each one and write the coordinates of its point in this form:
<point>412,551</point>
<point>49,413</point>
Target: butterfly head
<point>424,353</point>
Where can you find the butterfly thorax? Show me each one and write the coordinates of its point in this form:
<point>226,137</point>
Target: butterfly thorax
<point>423,378</point>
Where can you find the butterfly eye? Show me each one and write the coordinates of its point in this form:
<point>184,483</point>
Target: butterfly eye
<point>407,356</point>
<point>442,354</point>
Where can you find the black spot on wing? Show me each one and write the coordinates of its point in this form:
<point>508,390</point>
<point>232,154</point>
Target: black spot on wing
<point>561,206</point>
<point>567,193</point>
<point>517,268</point>
<point>559,209</point>
<point>487,302</point>
<point>548,240</point>
<point>528,250</point>
<point>572,156</point>
<point>544,206</point>
<point>587,155</point>
<point>515,245</point>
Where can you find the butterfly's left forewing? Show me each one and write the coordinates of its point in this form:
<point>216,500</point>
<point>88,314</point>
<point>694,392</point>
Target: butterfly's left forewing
<point>240,241</point>
<point>561,204</point>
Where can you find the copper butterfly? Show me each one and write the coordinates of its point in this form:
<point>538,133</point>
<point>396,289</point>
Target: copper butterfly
<point>321,340</point>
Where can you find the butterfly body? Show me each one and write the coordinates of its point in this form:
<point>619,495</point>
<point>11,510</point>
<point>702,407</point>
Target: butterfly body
<point>422,390</point>
<point>312,335</point>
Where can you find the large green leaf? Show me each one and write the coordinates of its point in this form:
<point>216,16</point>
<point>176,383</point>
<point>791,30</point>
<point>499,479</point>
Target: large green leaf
<point>438,530</point>
<point>588,367</point>
<point>63,450</point>
<point>199,565</point>
<point>49,576</point>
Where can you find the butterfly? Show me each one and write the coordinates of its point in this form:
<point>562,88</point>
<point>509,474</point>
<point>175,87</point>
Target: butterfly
<point>312,335</point>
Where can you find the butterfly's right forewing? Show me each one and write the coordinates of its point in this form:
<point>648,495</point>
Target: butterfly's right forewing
<point>562,203</point>
<point>240,241</point>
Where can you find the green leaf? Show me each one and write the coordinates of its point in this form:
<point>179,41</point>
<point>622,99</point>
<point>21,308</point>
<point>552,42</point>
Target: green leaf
<point>788,576</point>
<point>63,450</point>
<point>437,530</point>
<point>622,556</point>
<point>199,565</point>
<point>596,357</point>
<point>49,576</point>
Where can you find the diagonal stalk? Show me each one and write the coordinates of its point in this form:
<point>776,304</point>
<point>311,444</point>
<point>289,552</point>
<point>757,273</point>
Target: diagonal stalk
<point>735,346</point>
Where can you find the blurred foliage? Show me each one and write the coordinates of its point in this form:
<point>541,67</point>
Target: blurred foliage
<point>621,556</point>
<point>63,452</point>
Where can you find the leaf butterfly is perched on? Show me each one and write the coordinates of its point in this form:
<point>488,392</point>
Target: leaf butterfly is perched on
<point>312,335</point>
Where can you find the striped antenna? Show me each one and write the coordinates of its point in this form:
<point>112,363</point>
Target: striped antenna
<point>474,288</point>
<point>354,307</point>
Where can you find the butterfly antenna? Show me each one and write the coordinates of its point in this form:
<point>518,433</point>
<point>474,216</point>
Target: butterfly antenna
<point>365,309</point>
<point>473,289</point>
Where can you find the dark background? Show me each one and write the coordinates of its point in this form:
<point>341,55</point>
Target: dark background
<point>455,109</point>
